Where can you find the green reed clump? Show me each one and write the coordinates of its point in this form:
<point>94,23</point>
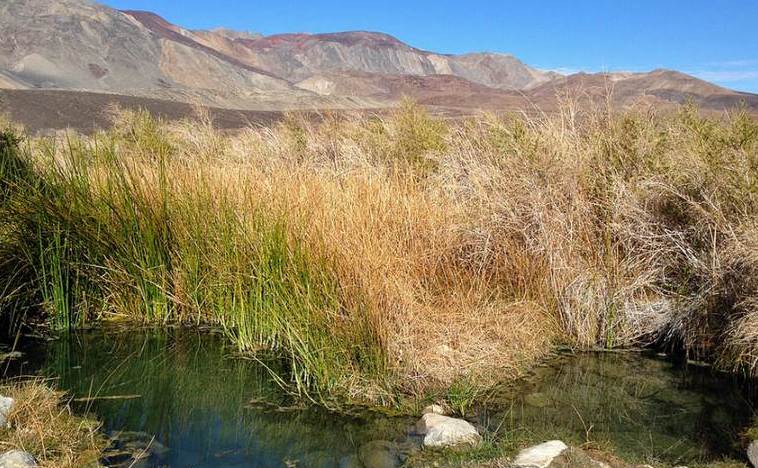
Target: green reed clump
<point>13,169</point>
<point>269,293</point>
<point>109,231</point>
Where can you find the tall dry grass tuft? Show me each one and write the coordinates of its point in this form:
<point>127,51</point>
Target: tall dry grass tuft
<point>367,248</point>
<point>42,424</point>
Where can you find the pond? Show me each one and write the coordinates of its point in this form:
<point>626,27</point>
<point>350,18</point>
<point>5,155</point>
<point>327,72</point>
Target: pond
<point>185,399</point>
<point>641,406</point>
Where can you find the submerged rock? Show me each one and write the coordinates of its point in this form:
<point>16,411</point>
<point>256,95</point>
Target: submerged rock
<point>134,450</point>
<point>6,404</point>
<point>540,456</point>
<point>443,431</point>
<point>17,459</point>
<point>380,454</point>
<point>752,453</point>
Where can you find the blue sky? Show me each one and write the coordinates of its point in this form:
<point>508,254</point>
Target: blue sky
<point>714,39</point>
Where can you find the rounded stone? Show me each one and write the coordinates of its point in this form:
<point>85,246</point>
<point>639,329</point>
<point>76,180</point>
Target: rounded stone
<point>6,405</point>
<point>540,456</point>
<point>17,459</point>
<point>752,453</point>
<point>444,431</point>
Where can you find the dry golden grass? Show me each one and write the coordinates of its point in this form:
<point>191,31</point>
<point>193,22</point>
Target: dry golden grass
<point>390,234</point>
<point>459,249</point>
<point>43,425</point>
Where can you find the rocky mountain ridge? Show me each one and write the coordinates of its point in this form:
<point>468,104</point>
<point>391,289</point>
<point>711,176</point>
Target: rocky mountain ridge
<point>80,45</point>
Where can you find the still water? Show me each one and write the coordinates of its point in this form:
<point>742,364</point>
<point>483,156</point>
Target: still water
<point>637,405</point>
<point>185,399</point>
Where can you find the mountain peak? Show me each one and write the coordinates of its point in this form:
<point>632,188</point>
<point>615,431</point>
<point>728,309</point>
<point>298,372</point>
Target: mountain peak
<point>82,45</point>
<point>346,38</point>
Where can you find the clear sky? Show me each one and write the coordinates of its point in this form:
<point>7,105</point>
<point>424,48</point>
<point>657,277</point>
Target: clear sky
<point>714,39</point>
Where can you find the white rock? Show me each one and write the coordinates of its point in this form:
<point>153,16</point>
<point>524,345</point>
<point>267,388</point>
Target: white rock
<point>6,404</point>
<point>540,456</point>
<point>443,431</point>
<point>434,409</point>
<point>752,453</point>
<point>17,459</point>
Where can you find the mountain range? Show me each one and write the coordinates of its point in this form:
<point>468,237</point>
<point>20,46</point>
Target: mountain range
<point>78,46</point>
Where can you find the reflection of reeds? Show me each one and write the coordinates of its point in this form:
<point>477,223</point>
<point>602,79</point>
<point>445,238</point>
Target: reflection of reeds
<point>195,397</point>
<point>635,406</point>
<point>366,249</point>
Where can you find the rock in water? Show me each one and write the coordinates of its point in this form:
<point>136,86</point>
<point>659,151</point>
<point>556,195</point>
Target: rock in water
<point>6,404</point>
<point>540,456</point>
<point>17,459</point>
<point>379,454</point>
<point>752,453</point>
<point>443,431</point>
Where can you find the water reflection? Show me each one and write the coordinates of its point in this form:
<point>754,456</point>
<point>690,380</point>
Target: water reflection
<point>186,396</point>
<point>645,408</point>
<point>182,394</point>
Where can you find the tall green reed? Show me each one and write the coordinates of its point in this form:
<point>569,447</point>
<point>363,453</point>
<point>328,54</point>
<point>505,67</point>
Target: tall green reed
<point>110,228</point>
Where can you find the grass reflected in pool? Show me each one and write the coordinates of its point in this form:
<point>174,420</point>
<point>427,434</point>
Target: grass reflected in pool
<point>188,396</point>
<point>195,404</point>
<point>637,405</point>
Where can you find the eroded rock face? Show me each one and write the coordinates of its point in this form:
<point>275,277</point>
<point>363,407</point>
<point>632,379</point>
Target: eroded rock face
<point>442,431</point>
<point>6,404</point>
<point>540,456</point>
<point>17,459</point>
